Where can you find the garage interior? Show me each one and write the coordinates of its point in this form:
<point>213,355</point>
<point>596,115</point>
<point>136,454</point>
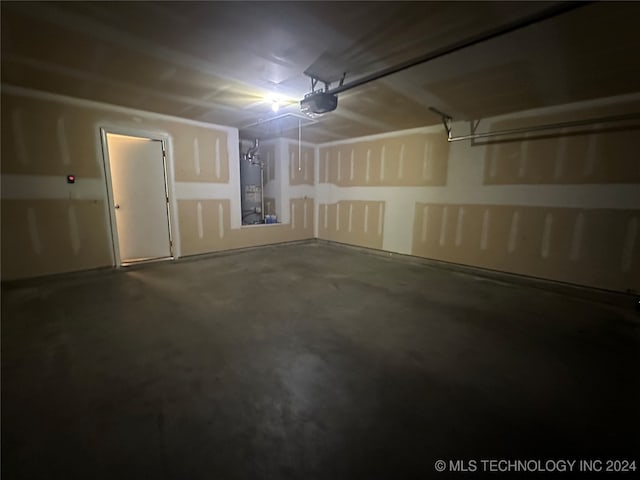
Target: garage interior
<point>201,279</point>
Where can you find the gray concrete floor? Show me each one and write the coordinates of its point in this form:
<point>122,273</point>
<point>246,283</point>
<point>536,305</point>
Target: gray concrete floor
<point>306,361</point>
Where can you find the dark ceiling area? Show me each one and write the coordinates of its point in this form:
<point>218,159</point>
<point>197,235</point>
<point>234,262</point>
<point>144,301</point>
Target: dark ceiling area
<point>220,62</point>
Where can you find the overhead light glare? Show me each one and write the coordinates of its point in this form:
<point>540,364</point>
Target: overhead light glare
<point>274,100</point>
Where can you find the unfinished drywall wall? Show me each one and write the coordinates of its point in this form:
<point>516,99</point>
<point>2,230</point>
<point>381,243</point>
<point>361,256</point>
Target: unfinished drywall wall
<point>49,226</point>
<point>301,164</point>
<point>355,222</point>
<point>267,152</point>
<point>410,159</point>
<point>207,148</point>
<point>576,245</point>
<point>562,206</point>
<point>599,153</point>
<point>42,236</point>
<point>205,226</point>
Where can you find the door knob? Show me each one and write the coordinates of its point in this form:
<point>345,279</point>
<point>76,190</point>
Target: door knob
<point>117,205</point>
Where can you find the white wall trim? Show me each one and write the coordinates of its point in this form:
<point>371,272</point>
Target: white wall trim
<point>173,207</point>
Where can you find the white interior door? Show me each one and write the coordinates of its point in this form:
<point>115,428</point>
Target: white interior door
<point>140,197</point>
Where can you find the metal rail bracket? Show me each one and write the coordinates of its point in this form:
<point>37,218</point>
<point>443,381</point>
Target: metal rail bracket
<point>446,121</point>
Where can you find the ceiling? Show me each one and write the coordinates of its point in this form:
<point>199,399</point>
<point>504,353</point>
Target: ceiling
<point>217,61</point>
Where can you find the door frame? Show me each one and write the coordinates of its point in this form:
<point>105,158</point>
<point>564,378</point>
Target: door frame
<point>169,188</point>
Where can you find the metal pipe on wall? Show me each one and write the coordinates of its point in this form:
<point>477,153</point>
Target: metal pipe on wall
<point>252,187</point>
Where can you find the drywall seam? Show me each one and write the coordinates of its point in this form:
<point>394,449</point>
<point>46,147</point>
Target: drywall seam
<point>34,234</point>
<point>218,159</point>
<point>590,159</point>
<point>629,242</point>
<point>200,220</point>
<point>558,168</point>
<point>18,133</point>
<point>546,236</point>
<point>513,232</point>
<point>365,220</point>
<point>443,226</point>
<point>220,221</point>
<point>576,238</point>
<point>63,144</point>
<point>74,235</point>
<point>196,156</point>
<point>459,227</point>
<point>486,225</point>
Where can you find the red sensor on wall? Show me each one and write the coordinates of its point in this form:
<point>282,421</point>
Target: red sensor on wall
<point>71,179</point>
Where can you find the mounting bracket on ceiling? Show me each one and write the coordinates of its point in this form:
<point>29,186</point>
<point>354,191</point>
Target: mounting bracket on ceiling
<point>327,83</point>
<point>314,82</point>
<point>473,126</point>
<point>446,121</point>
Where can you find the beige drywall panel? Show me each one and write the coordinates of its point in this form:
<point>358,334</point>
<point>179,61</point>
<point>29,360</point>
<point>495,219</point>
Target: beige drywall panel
<point>413,159</point>
<point>252,236</point>
<point>354,222</point>
<point>562,207</point>
<point>41,237</point>
<point>46,137</point>
<point>268,157</point>
<point>301,165</point>
<point>593,247</point>
<point>207,150</point>
<point>592,154</point>
<point>301,216</point>
<point>43,138</point>
<point>205,227</point>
